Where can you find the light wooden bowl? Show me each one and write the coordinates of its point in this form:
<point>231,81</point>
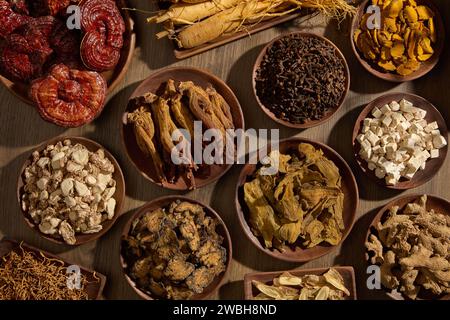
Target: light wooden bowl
<point>95,280</point>
<point>295,253</point>
<point>154,84</point>
<point>348,273</point>
<point>425,67</point>
<point>119,194</point>
<point>432,165</point>
<point>439,205</point>
<point>162,203</point>
<point>308,124</point>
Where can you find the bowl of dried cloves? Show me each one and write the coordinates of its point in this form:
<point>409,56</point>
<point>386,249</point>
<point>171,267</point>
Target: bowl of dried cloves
<point>175,248</point>
<point>299,203</point>
<point>172,114</point>
<point>71,190</point>
<point>300,80</point>
<point>399,40</point>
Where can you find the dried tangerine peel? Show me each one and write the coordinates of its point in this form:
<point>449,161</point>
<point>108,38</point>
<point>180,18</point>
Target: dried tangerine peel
<point>406,38</point>
<point>302,203</point>
<point>329,286</point>
<point>412,248</point>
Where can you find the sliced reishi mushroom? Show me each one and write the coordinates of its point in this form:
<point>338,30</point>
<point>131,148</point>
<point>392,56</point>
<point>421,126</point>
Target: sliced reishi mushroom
<point>104,27</point>
<point>69,97</point>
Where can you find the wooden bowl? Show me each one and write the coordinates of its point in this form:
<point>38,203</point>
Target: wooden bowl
<point>308,124</point>
<point>425,66</point>
<point>439,205</point>
<point>432,166</point>
<point>95,280</point>
<point>296,253</point>
<point>267,278</point>
<point>113,77</point>
<point>119,195</point>
<point>164,202</point>
<point>154,84</point>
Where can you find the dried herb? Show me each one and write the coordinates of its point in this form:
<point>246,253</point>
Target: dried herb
<point>301,78</point>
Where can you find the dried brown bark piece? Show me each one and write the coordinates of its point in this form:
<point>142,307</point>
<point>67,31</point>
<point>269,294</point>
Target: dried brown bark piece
<point>69,97</point>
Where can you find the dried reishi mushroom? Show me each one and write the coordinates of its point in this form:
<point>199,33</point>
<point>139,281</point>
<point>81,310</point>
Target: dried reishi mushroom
<point>10,19</point>
<point>48,7</point>
<point>104,27</point>
<point>405,39</point>
<point>69,97</point>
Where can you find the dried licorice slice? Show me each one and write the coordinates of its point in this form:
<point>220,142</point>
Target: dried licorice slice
<point>104,27</point>
<point>10,20</point>
<point>69,97</point>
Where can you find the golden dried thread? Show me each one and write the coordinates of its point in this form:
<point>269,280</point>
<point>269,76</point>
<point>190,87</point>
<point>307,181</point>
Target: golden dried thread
<point>23,276</point>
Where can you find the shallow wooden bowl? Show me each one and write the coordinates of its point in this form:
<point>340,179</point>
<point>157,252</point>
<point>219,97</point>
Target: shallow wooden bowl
<point>95,280</point>
<point>348,273</point>
<point>308,124</point>
<point>294,253</point>
<point>154,84</point>
<point>162,203</point>
<point>425,67</point>
<point>113,77</point>
<point>432,165</point>
<point>439,205</point>
<point>119,195</point>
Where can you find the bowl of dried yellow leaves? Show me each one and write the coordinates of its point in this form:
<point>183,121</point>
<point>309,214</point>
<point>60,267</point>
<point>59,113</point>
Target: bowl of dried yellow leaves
<point>336,283</point>
<point>302,210</point>
<point>398,40</point>
<point>409,240</point>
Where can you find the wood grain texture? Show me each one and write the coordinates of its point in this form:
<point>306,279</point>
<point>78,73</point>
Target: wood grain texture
<point>22,130</point>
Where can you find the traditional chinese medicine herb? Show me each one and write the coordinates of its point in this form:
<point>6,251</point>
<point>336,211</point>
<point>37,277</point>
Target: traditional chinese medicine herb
<point>175,252</point>
<point>404,41</point>
<point>301,78</point>
<point>24,276</point>
<point>412,248</point>
<point>329,286</point>
<point>301,205</point>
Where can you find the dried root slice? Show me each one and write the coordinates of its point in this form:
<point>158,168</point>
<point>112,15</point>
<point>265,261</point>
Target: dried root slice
<point>144,131</point>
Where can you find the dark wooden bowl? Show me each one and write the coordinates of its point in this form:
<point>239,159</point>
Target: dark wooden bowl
<point>154,84</point>
<point>425,67</point>
<point>164,202</point>
<point>308,124</point>
<point>119,195</point>
<point>267,278</point>
<point>296,253</point>
<point>432,166</point>
<point>113,77</point>
<point>439,205</point>
<point>95,280</point>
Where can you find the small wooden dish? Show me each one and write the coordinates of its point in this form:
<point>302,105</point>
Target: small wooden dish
<point>113,77</point>
<point>119,195</point>
<point>154,84</point>
<point>439,205</point>
<point>296,253</point>
<point>308,124</point>
<point>162,203</point>
<point>425,67</point>
<point>432,165</point>
<point>95,280</point>
<point>267,278</point>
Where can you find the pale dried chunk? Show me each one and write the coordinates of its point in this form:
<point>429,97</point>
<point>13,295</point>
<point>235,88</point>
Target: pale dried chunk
<point>66,231</point>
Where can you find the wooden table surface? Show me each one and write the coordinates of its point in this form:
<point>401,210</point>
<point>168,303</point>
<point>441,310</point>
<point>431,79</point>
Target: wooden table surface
<point>22,130</point>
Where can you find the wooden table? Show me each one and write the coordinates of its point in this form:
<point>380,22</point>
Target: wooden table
<point>22,130</point>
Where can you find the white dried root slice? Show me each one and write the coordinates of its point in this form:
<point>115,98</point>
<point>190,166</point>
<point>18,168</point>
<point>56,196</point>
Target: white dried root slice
<point>69,190</point>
